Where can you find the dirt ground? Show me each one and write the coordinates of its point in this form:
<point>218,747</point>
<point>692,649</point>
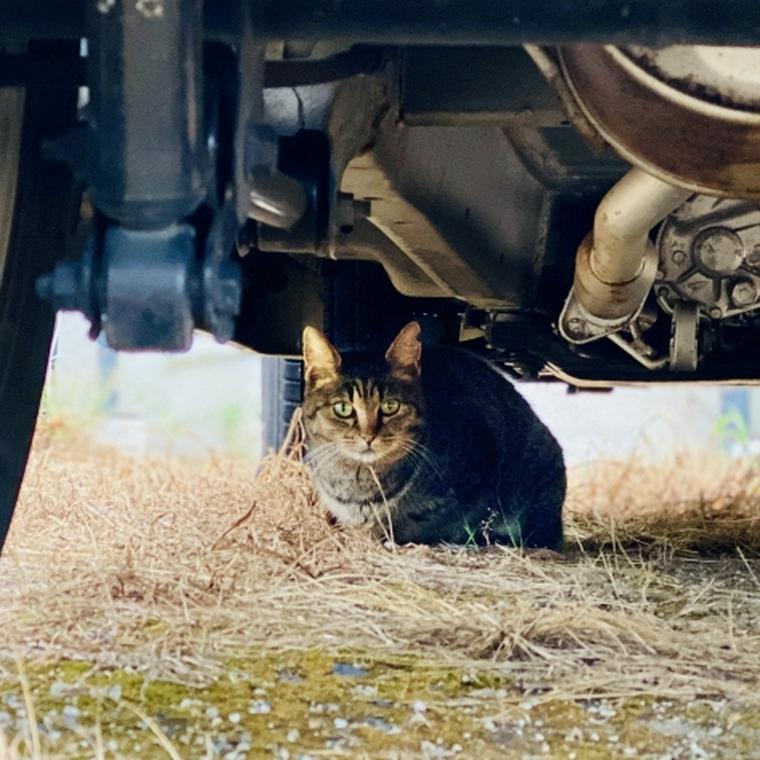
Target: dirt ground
<point>186,609</point>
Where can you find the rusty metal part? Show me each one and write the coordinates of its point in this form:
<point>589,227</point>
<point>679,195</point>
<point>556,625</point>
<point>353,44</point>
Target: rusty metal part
<point>709,251</point>
<point>699,131</point>
<point>728,76</point>
<point>616,263</point>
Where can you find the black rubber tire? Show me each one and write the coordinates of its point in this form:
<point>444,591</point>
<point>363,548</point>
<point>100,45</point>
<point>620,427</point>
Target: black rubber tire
<point>42,219</point>
<point>281,391</point>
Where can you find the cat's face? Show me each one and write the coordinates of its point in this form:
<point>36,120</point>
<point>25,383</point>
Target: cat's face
<point>368,414</point>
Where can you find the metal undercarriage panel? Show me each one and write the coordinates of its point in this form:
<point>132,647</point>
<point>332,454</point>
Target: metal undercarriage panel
<point>443,22</point>
<point>459,204</point>
<point>436,139</point>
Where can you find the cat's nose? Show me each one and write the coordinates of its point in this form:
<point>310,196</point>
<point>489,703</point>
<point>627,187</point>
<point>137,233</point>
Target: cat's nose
<point>368,438</point>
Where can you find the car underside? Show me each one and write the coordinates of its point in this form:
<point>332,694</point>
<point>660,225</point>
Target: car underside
<point>580,210</point>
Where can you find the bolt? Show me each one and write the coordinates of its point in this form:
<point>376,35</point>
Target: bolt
<point>276,199</point>
<point>715,312</point>
<point>718,251</point>
<point>754,256</point>
<point>247,239</point>
<point>576,327</point>
<point>63,287</point>
<point>743,293</point>
<point>646,318</point>
<point>663,292</point>
<point>679,257</point>
<point>660,275</point>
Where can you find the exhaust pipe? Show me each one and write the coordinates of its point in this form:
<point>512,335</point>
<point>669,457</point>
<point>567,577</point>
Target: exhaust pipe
<point>616,263</point>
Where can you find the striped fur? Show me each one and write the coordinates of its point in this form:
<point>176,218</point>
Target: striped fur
<point>463,460</point>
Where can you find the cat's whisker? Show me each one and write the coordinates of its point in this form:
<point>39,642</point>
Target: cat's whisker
<point>425,455</point>
<point>322,456</point>
<point>320,465</point>
<point>419,453</point>
<point>317,451</point>
<point>314,462</point>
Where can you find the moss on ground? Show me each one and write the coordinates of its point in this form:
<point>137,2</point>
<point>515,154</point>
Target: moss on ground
<point>302,704</point>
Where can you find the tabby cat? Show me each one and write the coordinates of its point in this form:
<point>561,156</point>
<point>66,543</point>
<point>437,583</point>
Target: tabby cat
<point>433,447</point>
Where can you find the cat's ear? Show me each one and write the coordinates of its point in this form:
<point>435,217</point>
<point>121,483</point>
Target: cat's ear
<point>321,360</point>
<point>405,353</point>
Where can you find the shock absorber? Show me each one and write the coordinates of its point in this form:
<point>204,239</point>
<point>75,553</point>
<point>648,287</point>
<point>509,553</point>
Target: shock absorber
<point>148,276</point>
<point>146,143</point>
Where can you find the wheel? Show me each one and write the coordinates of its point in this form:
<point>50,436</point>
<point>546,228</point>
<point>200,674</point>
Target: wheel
<point>37,212</point>
<point>281,395</point>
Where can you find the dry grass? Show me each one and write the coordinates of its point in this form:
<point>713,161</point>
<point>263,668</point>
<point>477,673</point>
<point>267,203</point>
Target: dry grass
<point>7,749</point>
<point>171,566</point>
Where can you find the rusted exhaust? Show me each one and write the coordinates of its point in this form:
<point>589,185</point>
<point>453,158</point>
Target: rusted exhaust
<point>616,263</point>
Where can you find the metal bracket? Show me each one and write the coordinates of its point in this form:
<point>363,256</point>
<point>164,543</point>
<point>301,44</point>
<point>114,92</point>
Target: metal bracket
<point>146,300</point>
<point>274,198</point>
<point>684,337</point>
<point>147,289</point>
<point>158,265</point>
<point>578,326</point>
<point>221,281</point>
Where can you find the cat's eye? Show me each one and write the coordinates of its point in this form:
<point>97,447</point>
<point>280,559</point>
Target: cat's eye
<point>390,406</point>
<point>343,409</point>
